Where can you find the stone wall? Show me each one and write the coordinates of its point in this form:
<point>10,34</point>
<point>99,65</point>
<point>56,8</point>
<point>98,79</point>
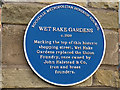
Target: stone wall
<point>0,53</point>
<point>0,18</point>
<point>17,73</point>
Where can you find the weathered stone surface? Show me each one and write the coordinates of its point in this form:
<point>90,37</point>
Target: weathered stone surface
<point>81,3</point>
<point>109,67</point>
<point>106,78</point>
<point>0,19</point>
<point>24,78</point>
<point>22,14</point>
<point>12,37</point>
<point>111,55</point>
<point>19,13</point>
<point>21,78</point>
<point>86,83</point>
<point>119,36</point>
<point>37,1</point>
<point>107,18</point>
<point>104,5</point>
<point>12,44</point>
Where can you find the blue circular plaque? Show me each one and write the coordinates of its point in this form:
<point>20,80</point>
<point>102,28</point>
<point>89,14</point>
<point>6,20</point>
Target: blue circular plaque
<point>64,44</point>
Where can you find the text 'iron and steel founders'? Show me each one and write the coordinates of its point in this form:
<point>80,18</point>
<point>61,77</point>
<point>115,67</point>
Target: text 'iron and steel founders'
<point>64,44</point>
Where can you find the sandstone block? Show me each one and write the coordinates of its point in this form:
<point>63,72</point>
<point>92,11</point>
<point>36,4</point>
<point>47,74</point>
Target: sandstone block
<point>24,78</point>
<point>111,55</point>
<point>12,45</point>
<point>104,5</point>
<point>107,78</point>
<point>86,83</point>
<point>84,4</point>
<point>107,18</point>
<point>19,13</point>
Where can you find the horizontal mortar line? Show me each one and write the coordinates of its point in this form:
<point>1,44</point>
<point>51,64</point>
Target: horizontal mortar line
<point>14,24</point>
<point>109,67</point>
<point>16,66</point>
<point>109,64</point>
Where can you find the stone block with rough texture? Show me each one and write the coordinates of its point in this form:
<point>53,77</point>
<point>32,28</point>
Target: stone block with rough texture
<point>0,19</point>
<point>22,13</point>
<point>84,4</point>
<point>111,55</point>
<point>107,18</point>
<point>108,78</point>
<point>12,45</point>
<point>13,36</point>
<point>104,5</point>
<point>23,77</point>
